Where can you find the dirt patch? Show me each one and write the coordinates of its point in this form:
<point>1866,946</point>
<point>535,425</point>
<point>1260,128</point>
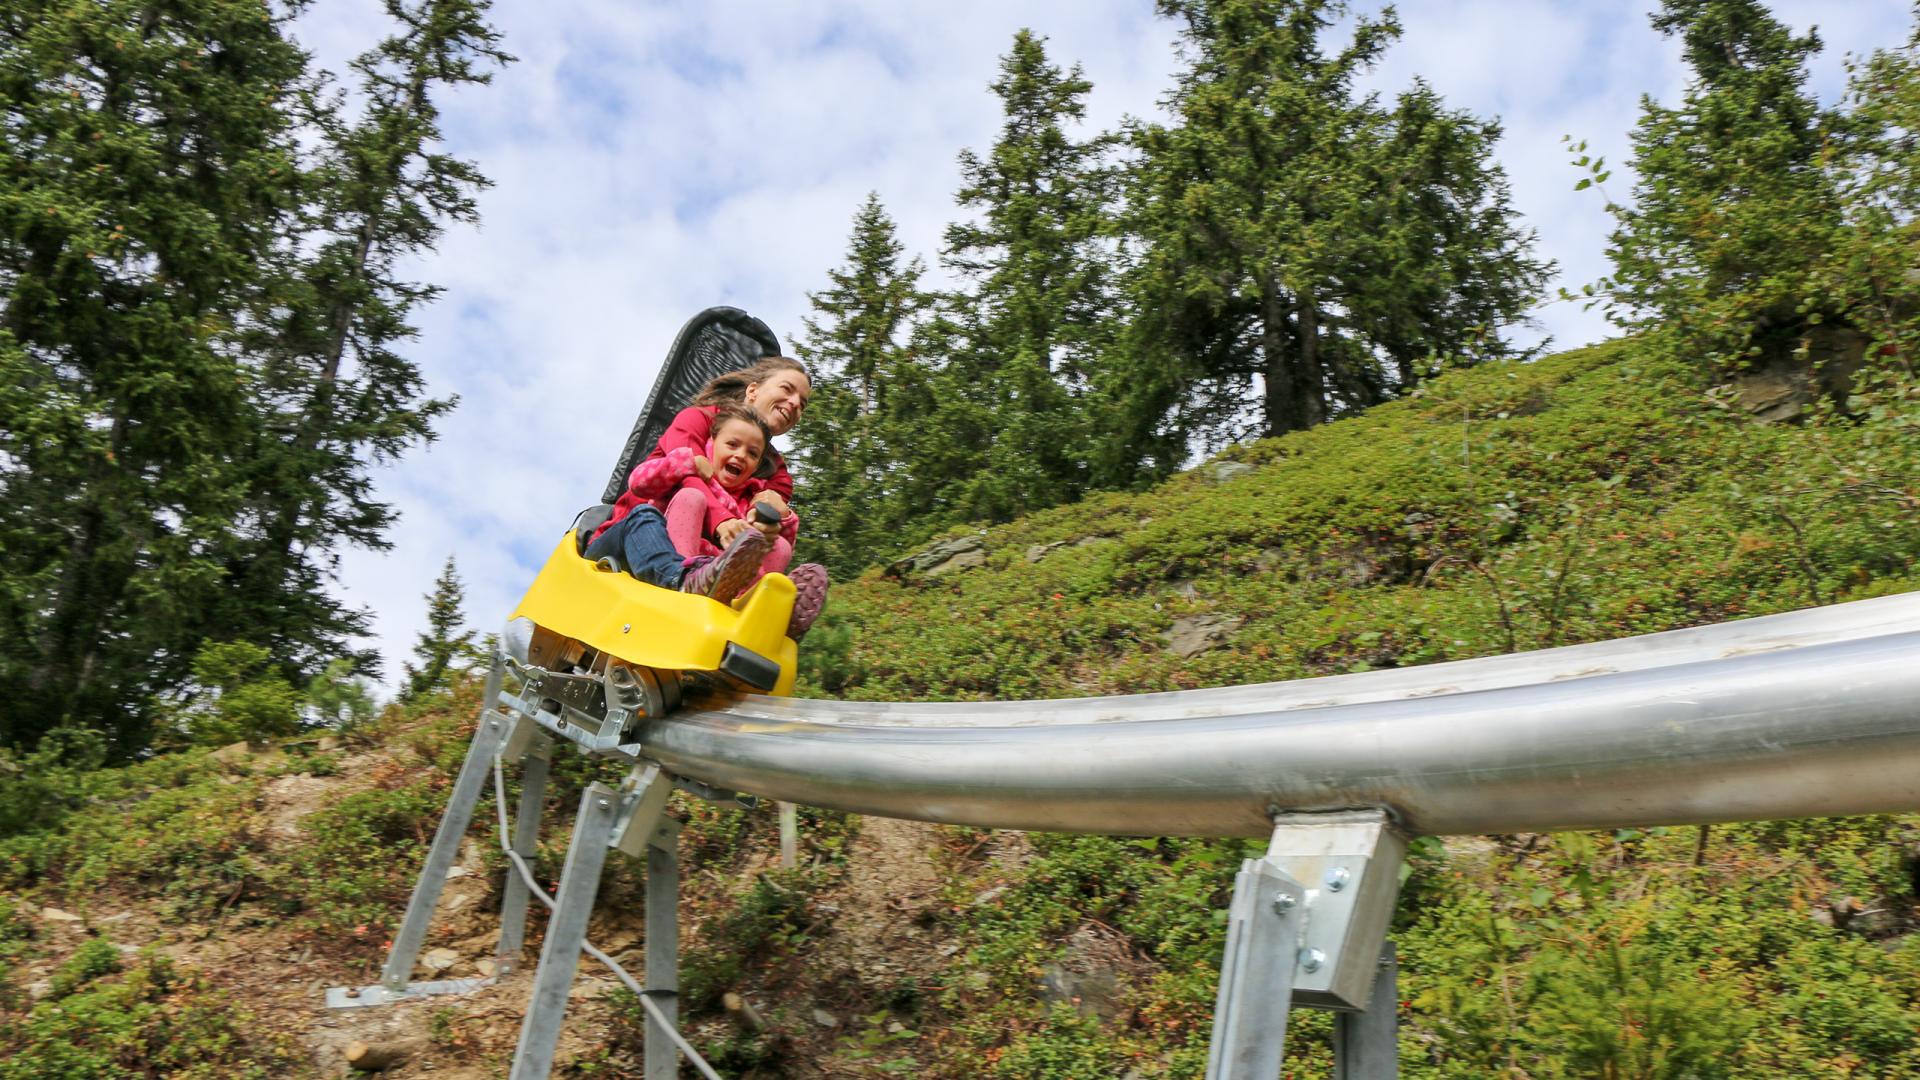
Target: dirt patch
<point>891,881</point>
<point>288,799</point>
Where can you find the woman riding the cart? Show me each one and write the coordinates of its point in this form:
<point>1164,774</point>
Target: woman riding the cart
<point>682,523</point>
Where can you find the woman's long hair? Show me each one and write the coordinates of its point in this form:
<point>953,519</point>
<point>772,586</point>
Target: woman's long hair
<point>732,387</point>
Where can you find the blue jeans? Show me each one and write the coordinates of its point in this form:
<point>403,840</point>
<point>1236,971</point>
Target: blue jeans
<point>640,541</point>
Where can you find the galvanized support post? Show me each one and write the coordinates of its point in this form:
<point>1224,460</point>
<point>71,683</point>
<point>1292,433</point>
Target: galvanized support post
<point>1307,926</point>
<point>663,949</point>
<point>446,844</point>
<point>1256,974</point>
<point>789,836</point>
<point>526,841</point>
<point>566,935</point>
<point>1366,1045</point>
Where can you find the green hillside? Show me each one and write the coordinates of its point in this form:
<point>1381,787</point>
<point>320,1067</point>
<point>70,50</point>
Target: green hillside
<point>1591,495</point>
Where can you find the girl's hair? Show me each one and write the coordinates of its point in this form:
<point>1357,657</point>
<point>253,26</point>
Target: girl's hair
<point>734,411</point>
<point>731,388</point>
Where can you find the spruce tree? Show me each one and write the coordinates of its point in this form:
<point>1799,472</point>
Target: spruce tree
<point>1037,301</point>
<point>1869,273</point>
<point>150,172</point>
<point>856,451</point>
<point>339,396</point>
<point>1300,239</point>
<point>443,645</point>
<point>1733,205</point>
<point>199,316</point>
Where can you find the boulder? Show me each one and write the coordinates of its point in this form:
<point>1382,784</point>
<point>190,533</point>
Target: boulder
<point>945,557</point>
<point>231,753</point>
<point>1222,471</point>
<point>1092,973</point>
<point>1036,552</point>
<point>1194,634</point>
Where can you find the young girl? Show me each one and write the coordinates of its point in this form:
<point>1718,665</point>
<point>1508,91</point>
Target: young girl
<point>721,491</point>
<point>637,531</point>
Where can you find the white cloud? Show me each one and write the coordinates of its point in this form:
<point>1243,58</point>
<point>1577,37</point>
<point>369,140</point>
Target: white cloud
<point>651,159</point>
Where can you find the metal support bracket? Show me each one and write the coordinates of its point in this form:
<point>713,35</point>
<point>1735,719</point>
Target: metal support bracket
<point>394,982</point>
<point>1256,974</point>
<point>717,796</point>
<point>1366,1045</point>
<point>632,819</point>
<point>642,806</point>
<point>1308,926</point>
<point>536,761</point>
<point>661,1059</point>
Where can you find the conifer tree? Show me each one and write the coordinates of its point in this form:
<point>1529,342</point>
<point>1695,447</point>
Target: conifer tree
<point>1733,205</point>
<point>339,396</point>
<point>856,453</point>
<point>1300,239</point>
<point>1034,314</point>
<point>1869,273</point>
<point>199,317</point>
<point>150,170</point>
<point>442,646</point>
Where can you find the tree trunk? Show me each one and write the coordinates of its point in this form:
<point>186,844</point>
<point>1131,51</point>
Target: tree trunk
<point>1291,398</point>
<point>1312,376</point>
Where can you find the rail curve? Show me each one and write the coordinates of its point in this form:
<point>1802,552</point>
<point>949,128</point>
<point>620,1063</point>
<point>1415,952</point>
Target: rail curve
<point>1809,713</point>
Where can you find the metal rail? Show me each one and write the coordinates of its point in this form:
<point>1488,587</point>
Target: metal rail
<point>1809,713</point>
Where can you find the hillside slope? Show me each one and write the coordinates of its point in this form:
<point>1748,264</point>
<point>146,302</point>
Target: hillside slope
<point>1588,496</point>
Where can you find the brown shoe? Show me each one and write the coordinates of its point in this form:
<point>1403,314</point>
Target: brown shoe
<point>732,570</point>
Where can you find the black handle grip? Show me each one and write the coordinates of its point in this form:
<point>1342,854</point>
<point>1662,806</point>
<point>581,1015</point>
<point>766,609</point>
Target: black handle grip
<point>767,515</point>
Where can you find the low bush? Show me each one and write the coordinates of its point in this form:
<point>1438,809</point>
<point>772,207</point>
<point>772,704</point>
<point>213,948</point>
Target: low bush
<point>153,1020</point>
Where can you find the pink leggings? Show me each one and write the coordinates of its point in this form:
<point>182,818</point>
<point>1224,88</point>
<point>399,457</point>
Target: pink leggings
<point>687,526</point>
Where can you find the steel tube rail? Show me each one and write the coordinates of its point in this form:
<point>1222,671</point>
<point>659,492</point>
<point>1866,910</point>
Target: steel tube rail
<point>1809,713</point>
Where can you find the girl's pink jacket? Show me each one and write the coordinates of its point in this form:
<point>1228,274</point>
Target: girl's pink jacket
<point>666,470</point>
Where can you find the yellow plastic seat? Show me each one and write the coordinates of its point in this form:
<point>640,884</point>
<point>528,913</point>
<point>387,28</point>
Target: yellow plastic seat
<point>663,629</point>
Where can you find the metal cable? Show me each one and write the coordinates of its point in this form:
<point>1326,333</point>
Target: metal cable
<point>533,886</point>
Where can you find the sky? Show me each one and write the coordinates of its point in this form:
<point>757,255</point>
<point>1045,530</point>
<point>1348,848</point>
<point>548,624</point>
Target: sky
<point>652,159</point>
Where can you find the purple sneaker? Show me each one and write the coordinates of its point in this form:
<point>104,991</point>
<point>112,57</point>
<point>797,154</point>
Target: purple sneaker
<point>809,597</point>
<point>723,576</point>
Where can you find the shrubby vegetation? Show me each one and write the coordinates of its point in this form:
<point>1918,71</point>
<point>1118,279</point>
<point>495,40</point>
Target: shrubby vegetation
<point>1587,496</point>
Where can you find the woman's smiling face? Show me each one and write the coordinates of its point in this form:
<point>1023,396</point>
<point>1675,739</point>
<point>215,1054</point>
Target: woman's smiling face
<point>780,399</point>
<point>737,449</point>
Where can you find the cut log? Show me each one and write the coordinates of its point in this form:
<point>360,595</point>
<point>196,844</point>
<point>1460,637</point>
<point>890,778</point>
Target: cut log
<point>375,1057</point>
<point>743,1014</point>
